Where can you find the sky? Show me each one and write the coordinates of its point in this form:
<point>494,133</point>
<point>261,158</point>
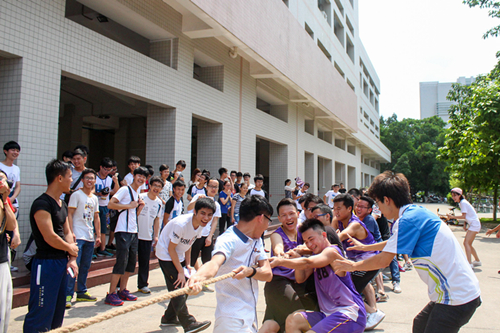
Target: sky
<point>409,42</point>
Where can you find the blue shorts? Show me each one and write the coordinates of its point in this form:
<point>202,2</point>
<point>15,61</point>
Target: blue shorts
<point>336,322</point>
<point>104,217</point>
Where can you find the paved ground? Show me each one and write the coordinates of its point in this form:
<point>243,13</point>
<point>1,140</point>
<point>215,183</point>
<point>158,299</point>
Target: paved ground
<point>400,309</point>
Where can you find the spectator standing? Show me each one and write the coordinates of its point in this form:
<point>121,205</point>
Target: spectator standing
<point>298,193</point>
<point>246,179</point>
<point>258,190</point>
<point>328,197</point>
<point>199,187</point>
<point>194,177</point>
<point>83,216</point>
<point>236,203</point>
<point>175,205</point>
<point>225,206</point>
<point>179,167</point>
<point>342,188</point>
<point>288,189</point>
<point>103,191</point>
<point>166,191</point>
<point>133,163</point>
<point>236,186</point>
<point>56,252</point>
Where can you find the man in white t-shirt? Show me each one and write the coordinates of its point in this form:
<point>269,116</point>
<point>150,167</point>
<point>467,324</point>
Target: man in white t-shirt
<point>300,192</point>
<point>204,244</point>
<point>198,188</point>
<point>149,228</point>
<point>328,197</point>
<point>11,151</point>
<point>83,215</point>
<point>453,288</point>
<point>175,205</point>
<point>257,190</point>
<point>174,246</point>
<point>128,204</point>
<point>240,250</point>
<point>133,163</point>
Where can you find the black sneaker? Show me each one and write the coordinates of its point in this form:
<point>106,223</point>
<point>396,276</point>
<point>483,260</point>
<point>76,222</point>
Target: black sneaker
<point>197,326</point>
<point>165,322</point>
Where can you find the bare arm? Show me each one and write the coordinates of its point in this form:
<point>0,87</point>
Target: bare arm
<point>113,204</point>
<point>355,230</point>
<point>358,246</point>
<point>17,190</point>
<point>226,199</point>
<point>44,223</point>
<point>380,260</point>
<point>10,218</point>
<point>156,228</point>
<point>181,279</point>
<point>277,245</point>
<point>71,212</point>
<point>97,227</point>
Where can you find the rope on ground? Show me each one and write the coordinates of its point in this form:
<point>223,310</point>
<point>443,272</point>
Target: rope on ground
<point>113,313</point>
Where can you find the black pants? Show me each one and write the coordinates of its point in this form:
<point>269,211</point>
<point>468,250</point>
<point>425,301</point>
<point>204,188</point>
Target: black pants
<point>206,251</point>
<point>360,279</point>
<point>283,297</point>
<point>224,222</point>
<point>441,318</point>
<point>177,307</point>
<point>143,256</point>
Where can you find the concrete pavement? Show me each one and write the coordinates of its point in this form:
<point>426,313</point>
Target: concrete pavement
<point>400,309</point>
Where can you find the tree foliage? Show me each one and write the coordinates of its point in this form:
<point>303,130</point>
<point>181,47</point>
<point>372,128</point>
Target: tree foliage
<point>472,146</point>
<point>414,145</point>
<point>494,12</point>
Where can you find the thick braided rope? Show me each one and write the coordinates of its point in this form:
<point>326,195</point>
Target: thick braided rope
<point>113,313</point>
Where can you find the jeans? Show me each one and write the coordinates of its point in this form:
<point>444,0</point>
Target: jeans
<point>442,318</point>
<point>143,255</point>
<point>394,269</point>
<point>83,261</point>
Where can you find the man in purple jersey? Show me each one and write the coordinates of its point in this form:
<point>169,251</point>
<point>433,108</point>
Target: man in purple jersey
<point>341,307</point>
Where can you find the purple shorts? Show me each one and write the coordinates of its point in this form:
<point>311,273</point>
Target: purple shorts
<point>336,322</point>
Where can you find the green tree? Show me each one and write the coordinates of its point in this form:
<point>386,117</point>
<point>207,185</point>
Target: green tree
<point>414,146</point>
<point>494,12</point>
<point>472,146</point>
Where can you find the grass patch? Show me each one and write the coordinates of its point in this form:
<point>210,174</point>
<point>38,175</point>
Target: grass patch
<point>488,220</point>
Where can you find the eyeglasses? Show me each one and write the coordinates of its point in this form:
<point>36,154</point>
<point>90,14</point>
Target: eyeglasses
<point>363,207</point>
<point>213,186</point>
<point>316,216</point>
<point>89,178</point>
<point>268,219</point>
<point>157,186</point>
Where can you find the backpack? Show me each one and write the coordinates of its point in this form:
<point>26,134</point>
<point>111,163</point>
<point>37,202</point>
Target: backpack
<point>113,220</point>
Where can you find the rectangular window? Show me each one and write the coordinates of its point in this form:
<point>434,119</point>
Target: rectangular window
<point>208,70</point>
<point>309,126</point>
<point>324,50</point>
<point>325,135</point>
<point>351,85</point>
<point>326,10</point>
<point>340,143</point>
<point>337,67</point>
<point>349,25</point>
<point>340,7</point>
<point>349,49</point>
<point>309,30</point>
<point>338,29</point>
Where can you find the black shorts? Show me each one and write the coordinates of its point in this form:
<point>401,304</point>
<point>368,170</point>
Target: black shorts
<point>126,252</point>
<point>361,278</point>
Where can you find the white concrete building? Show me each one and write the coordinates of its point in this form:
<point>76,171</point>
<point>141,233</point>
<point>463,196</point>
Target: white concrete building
<point>433,100</point>
<point>281,88</point>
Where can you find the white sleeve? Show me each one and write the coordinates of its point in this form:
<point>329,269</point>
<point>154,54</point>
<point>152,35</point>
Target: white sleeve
<point>176,233</point>
<point>73,201</point>
<point>120,195</point>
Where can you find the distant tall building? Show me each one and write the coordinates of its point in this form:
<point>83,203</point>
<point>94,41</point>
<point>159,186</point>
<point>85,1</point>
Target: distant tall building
<point>433,100</point>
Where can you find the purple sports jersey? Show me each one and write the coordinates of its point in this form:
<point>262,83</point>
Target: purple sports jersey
<point>287,245</point>
<point>338,294</point>
<point>358,255</point>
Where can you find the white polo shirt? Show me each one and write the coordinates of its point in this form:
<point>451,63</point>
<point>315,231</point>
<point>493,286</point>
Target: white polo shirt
<point>238,298</point>
<point>179,231</point>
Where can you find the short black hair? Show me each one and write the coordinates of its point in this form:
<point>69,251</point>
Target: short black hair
<point>56,168</point>
<point>134,159</point>
<point>68,154</point>
<point>156,179</point>
<point>87,171</point>
<point>106,162</point>
<point>285,202</point>
<point>239,174</point>
<point>178,183</point>
<point>254,206</point>
<point>312,198</point>
<point>84,148</point>
<point>114,163</point>
<point>246,174</point>
<point>314,224</point>
<point>335,185</point>
<point>345,198</point>
<point>11,145</point>
<point>258,177</point>
<point>150,169</point>
<point>304,197</point>
<point>307,184</point>
<point>233,171</point>
<point>325,209</point>
<point>164,167</point>
<point>207,172</point>
<point>222,170</point>
<point>80,152</point>
<point>141,171</point>
<point>391,185</point>
<point>205,203</point>
<point>354,192</point>
<point>288,180</point>
<point>182,163</point>
<point>369,200</point>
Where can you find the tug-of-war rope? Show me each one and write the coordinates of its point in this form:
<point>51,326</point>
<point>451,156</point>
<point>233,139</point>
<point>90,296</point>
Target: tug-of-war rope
<point>113,313</point>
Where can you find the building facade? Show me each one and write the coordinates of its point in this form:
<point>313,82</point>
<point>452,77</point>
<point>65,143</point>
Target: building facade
<point>433,100</point>
<point>281,88</point>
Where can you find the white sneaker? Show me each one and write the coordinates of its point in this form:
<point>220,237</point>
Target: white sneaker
<point>476,263</point>
<point>374,319</point>
<point>13,269</point>
<point>472,266</point>
<point>396,287</point>
<point>408,266</point>
<point>145,290</point>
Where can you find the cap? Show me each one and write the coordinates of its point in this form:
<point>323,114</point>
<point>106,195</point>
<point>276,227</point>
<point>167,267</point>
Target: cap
<point>457,190</point>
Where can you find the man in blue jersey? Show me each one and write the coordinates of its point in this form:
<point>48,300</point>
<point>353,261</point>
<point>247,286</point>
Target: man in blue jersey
<point>440,262</point>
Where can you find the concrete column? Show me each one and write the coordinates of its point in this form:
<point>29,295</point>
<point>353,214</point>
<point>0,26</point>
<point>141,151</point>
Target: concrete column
<point>278,167</point>
<point>310,174</point>
<point>70,128</point>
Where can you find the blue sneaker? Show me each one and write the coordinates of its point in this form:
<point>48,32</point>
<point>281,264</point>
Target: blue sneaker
<point>113,299</point>
<point>126,295</point>
<point>104,253</point>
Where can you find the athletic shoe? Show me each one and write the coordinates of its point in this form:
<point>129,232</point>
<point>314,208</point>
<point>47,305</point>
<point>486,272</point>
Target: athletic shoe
<point>386,278</point>
<point>396,287</point>
<point>207,289</point>
<point>408,266</point>
<point>126,295</point>
<point>477,263</point>
<point>197,326</point>
<point>113,299</point>
<point>472,267</point>
<point>382,297</point>
<point>68,302</point>
<point>13,269</point>
<point>111,247</point>
<point>374,319</point>
<point>266,250</point>
<point>104,253</point>
<point>85,297</point>
<point>94,256</point>
<point>145,290</point>
<point>165,322</point>
<point>401,269</point>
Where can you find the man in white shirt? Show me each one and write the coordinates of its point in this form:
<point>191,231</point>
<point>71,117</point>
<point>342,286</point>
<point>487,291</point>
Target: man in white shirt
<point>240,250</point>
<point>174,246</point>
<point>129,205</point>
<point>300,192</point>
<point>149,227</point>
<point>83,215</point>
<point>257,190</point>
<point>133,163</point>
<point>11,151</point>
<point>175,205</point>
<point>328,197</point>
